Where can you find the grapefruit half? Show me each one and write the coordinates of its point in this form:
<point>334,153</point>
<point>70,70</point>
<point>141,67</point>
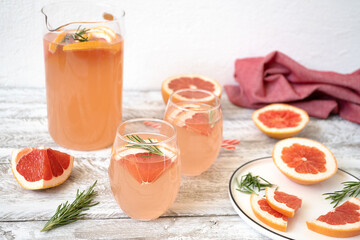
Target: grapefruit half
<point>39,168</point>
<point>282,202</point>
<point>266,214</point>
<point>303,160</point>
<point>189,81</point>
<point>280,120</point>
<point>343,221</point>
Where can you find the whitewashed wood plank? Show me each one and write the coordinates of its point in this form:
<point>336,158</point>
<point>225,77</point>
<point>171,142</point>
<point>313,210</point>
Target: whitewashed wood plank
<point>221,227</point>
<point>337,130</point>
<point>198,196</point>
<point>203,195</point>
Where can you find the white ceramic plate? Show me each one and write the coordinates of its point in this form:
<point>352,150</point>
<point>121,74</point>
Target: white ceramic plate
<point>313,203</point>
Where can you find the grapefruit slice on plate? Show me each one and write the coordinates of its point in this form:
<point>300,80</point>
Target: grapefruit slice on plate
<point>282,202</point>
<point>280,120</point>
<point>343,221</point>
<point>40,168</point>
<point>188,81</point>
<point>304,161</point>
<point>266,214</point>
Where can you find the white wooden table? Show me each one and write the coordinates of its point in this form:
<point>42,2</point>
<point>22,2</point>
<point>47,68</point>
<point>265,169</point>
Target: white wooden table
<point>202,208</point>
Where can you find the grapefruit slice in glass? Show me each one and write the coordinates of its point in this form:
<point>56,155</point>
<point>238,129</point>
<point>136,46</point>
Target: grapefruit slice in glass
<point>343,221</point>
<point>39,168</point>
<point>282,202</point>
<point>145,167</point>
<point>189,81</point>
<point>194,117</point>
<point>266,214</point>
<point>303,160</point>
<point>280,120</point>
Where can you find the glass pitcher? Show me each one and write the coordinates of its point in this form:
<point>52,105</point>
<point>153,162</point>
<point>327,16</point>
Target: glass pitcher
<point>83,49</point>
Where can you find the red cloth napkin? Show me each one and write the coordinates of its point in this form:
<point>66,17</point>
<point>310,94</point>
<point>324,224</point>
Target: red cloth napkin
<point>278,78</point>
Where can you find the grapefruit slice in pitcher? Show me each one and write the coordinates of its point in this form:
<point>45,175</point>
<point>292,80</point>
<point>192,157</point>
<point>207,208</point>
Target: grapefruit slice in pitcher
<point>59,38</point>
<point>39,168</point>
<point>343,221</point>
<point>280,120</point>
<point>284,203</point>
<point>175,83</point>
<point>304,161</point>
<point>266,214</point>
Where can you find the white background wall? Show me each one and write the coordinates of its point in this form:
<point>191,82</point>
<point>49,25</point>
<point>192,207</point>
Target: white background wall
<point>165,38</point>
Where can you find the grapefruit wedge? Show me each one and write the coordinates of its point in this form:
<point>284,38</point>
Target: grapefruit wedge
<point>303,160</point>
<point>189,81</point>
<point>343,221</point>
<point>266,214</point>
<point>40,168</point>
<point>280,120</point>
<point>284,203</point>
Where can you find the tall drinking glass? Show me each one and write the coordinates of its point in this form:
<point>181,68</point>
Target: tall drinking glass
<point>83,49</point>
<point>197,117</point>
<point>144,168</point>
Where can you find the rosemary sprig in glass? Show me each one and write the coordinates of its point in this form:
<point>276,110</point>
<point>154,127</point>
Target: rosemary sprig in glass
<point>67,213</point>
<point>350,189</point>
<point>211,118</point>
<point>249,183</point>
<point>152,149</point>
<point>78,35</point>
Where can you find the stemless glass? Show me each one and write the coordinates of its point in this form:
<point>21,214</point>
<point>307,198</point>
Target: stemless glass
<point>197,117</point>
<point>83,50</point>
<point>144,168</point>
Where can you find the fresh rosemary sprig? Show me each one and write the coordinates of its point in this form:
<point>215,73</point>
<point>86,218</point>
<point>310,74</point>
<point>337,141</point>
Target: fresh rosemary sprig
<point>78,35</point>
<point>249,183</point>
<point>152,149</point>
<point>350,189</point>
<point>67,213</point>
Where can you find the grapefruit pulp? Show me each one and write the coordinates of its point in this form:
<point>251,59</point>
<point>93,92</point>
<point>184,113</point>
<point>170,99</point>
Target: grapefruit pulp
<point>343,221</point>
<point>189,81</point>
<point>39,168</point>
<point>280,120</point>
<point>304,161</point>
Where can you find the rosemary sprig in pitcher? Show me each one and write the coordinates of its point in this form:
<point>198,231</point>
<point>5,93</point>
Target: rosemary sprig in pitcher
<point>79,34</point>
<point>152,149</point>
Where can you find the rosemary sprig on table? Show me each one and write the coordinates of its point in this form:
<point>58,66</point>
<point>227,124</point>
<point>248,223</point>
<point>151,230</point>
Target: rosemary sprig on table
<point>67,213</point>
<point>249,183</point>
<point>78,35</point>
<point>152,149</point>
<point>350,189</point>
